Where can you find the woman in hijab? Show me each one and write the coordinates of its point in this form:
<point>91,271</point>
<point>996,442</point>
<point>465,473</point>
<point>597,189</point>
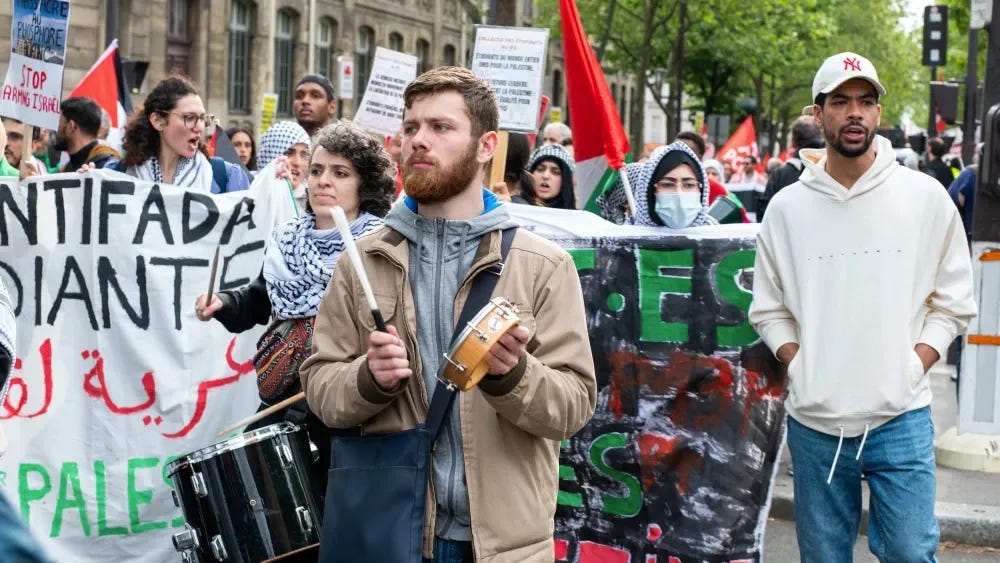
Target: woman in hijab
<point>287,144</point>
<point>347,168</point>
<point>551,168</point>
<point>669,188</point>
<point>164,142</point>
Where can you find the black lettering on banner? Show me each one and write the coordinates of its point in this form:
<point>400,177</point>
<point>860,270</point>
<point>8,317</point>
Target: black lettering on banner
<point>240,282</point>
<point>38,290</point>
<point>191,233</point>
<point>178,265</point>
<point>109,188</point>
<point>83,294</point>
<point>236,218</point>
<point>107,277</point>
<point>29,222</point>
<point>154,198</point>
<point>88,194</point>
<point>57,186</point>
<point>19,298</point>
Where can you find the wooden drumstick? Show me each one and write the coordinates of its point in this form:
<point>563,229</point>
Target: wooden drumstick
<point>264,413</point>
<point>352,250</point>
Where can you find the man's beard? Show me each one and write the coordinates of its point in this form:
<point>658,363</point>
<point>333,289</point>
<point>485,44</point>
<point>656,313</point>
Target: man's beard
<point>439,184</point>
<point>61,144</point>
<point>833,141</point>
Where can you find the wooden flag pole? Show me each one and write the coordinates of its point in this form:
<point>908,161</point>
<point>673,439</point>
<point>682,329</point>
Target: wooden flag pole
<point>499,160</point>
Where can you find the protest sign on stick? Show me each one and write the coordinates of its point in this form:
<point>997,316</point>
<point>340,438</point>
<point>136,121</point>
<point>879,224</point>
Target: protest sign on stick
<point>381,109</point>
<point>32,90</point>
<point>512,60</point>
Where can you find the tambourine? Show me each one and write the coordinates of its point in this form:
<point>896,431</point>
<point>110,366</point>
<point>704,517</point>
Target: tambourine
<point>465,363</point>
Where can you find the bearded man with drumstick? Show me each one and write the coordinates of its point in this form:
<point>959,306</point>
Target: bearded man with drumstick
<point>495,465</point>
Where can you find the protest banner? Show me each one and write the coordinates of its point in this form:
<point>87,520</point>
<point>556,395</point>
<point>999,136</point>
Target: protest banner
<point>512,60</point>
<point>32,90</point>
<point>381,109</point>
<point>115,377</point>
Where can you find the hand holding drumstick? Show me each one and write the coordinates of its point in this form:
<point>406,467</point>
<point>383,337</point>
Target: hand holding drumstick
<point>387,359</point>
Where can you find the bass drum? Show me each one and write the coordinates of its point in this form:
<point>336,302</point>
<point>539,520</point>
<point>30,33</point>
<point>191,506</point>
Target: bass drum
<point>254,497</point>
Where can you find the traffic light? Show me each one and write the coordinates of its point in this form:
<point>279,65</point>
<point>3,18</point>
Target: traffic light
<point>935,36</point>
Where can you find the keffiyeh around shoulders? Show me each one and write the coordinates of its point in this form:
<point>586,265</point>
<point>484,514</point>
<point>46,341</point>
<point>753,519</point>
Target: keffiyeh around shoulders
<point>299,263</point>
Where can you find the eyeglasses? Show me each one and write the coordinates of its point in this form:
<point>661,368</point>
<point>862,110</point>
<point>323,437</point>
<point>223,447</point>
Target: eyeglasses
<point>190,119</point>
<point>671,184</point>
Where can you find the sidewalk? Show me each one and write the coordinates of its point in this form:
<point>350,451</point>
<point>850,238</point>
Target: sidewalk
<point>968,503</point>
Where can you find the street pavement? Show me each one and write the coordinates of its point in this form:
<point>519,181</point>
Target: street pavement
<point>967,503</point>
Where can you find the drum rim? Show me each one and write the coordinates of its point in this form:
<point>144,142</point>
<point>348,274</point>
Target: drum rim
<point>236,442</point>
<point>496,302</point>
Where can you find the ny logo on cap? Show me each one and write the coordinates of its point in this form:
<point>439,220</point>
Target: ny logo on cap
<point>851,63</point>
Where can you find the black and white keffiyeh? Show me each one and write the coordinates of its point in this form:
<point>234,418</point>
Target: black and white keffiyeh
<point>278,138</point>
<point>193,172</point>
<point>299,263</point>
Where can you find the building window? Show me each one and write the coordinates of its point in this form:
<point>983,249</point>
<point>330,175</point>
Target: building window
<point>396,41</point>
<point>622,100</point>
<point>557,88</point>
<point>528,12</point>
<point>239,57</point>
<point>325,38</point>
<point>179,36</point>
<point>448,57</point>
<point>423,56</point>
<point>364,57</point>
<point>614,94</point>
<point>284,60</point>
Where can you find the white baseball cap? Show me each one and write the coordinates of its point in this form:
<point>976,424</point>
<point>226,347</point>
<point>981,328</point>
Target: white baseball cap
<point>842,67</point>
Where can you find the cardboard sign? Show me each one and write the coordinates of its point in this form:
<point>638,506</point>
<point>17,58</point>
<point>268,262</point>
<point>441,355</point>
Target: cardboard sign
<point>512,60</point>
<point>345,77</point>
<point>381,109</point>
<point>32,90</point>
<point>268,108</point>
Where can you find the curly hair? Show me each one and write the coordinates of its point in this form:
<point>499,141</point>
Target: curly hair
<point>252,163</point>
<point>376,185</point>
<point>142,140</point>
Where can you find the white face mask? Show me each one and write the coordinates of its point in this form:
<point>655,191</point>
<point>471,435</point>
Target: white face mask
<point>678,209</point>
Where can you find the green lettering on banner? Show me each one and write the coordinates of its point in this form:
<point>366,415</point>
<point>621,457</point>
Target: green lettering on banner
<point>137,497</point>
<point>102,504</point>
<point>69,475</point>
<point>26,493</point>
<point>652,286</point>
<point>726,273</point>
<point>583,258</point>
<point>179,521</point>
<point>566,473</point>
<point>622,506</point>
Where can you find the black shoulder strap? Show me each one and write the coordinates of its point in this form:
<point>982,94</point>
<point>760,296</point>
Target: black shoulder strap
<point>479,294</point>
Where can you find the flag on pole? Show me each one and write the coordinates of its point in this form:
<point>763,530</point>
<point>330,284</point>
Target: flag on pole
<point>105,84</point>
<point>219,145</point>
<point>599,141</point>
<point>939,122</point>
<point>742,143</point>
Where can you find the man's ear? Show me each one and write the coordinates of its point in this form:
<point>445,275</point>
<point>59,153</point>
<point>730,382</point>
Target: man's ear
<point>488,143</point>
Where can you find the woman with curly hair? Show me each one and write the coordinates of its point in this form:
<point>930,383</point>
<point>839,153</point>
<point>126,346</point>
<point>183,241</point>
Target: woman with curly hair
<point>164,142</point>
<point>347,168</point>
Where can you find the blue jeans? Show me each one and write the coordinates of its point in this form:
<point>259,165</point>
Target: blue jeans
<point>898,461</point>
<point>451,551</point>
<point>16,542</point>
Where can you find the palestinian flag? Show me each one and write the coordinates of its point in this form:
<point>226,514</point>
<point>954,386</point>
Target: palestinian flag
<point>105,84</point>
<point>599,141</point>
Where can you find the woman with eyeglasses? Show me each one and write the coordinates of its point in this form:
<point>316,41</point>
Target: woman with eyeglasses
<point>670,191</point>
<point>164,142</point>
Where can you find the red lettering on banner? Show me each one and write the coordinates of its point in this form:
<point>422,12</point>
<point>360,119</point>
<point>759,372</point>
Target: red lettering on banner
<point>239,369</point>
<point>591,552</point>
<point>562,550</point>
<point>95,386</point>
<point>17,95</point>
<point>653,532</point>
<point>15,407</point>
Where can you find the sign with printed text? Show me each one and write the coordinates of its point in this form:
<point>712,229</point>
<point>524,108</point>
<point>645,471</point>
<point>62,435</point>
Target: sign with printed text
<point>268,108</point>
<point>114,375</point>
<point>381,109</point>
<point>32,90</point>
<point>345,77</point>
<point>512,60</point>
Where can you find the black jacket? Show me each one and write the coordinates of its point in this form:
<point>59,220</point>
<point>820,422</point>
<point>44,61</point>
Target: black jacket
<point>246,307</point>
<point>784,176</point>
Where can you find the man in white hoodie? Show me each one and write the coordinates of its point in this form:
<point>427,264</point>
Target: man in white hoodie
<point>862,280</point>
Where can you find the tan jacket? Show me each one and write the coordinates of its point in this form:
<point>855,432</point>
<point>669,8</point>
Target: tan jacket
<point>511,426</point>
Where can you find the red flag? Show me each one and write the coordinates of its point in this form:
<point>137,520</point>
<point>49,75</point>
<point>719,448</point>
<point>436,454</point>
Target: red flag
<point>105,84</point>
<point>939,123</point>
<point>742,143</point>
<point>599,140</point>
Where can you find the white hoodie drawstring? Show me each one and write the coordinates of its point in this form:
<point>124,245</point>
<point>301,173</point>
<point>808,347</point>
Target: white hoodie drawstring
<point>862,446</point>
<point>836,456</point>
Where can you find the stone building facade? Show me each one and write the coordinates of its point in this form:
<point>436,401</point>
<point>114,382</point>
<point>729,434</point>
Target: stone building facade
<point>239,50</point>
